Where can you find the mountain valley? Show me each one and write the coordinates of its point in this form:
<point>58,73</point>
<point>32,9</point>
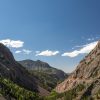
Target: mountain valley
<point>37,80</point>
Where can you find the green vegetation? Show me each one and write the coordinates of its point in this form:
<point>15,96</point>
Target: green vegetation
<point>68,95</point>
<point>53,96</point>
<point>10,89</point>
<point>46,80</point>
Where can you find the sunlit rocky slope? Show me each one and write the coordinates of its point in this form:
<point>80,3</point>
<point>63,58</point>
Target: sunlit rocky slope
<point>87,74</point>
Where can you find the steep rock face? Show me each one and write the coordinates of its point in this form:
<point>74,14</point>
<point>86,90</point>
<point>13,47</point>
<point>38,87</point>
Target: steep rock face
<point>86,72</point>
<point>89,67</point>
<point>12,70</point>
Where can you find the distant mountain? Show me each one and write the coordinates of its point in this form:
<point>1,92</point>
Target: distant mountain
<point>84,82</point>
<point>47,76</point>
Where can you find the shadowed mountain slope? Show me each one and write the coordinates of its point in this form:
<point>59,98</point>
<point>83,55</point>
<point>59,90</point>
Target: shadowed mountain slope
<point>14,71</point>
<point>47,76</point>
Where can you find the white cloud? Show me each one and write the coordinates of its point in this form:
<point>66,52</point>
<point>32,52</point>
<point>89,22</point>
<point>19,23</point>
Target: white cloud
<point>12,43</point>
<point>85,49</point>
<point>47,53</point>
<point>71,54</point>
<point>18,51</point>
<point>26,51</point>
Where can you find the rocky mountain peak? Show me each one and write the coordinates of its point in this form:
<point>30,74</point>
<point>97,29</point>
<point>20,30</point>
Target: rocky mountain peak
<point>87,70</point>
<point>5,54</point>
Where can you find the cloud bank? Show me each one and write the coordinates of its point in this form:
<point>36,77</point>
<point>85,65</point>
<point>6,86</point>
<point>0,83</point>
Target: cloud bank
<point>12,43</point>
<point>47,53</point>
<point>85,49</point>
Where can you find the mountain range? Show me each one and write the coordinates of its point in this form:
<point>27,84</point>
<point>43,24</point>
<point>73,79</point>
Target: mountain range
<point>37,80</point>
<point>25,78</point>
<point>48,77</point>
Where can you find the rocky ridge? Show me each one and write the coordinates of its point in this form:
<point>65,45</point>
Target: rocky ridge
<point>86,73</point>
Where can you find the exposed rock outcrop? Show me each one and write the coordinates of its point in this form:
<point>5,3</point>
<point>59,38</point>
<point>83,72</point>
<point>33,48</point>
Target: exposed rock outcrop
<point>87,73</point>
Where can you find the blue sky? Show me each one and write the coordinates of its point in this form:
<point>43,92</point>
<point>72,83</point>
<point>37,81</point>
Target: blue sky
<point>51,27</point>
